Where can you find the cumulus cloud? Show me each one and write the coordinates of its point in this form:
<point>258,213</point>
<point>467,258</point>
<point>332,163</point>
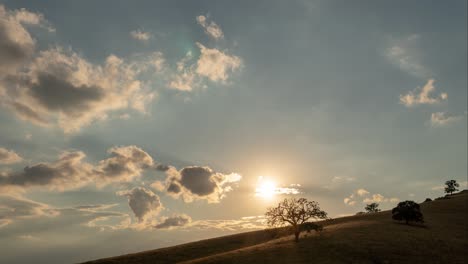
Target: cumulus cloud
<point>367,198</point>
<point>196,182</point>
<point>215,64</point>
<point>422,95</point>
<point>404,53</point>
<point>140,35</point>
<point>174,221</point>
<point>143,202</point>
<point>442,119</point>
<point>70,171</point>
<point>60,87</point>
<point>185,78</point>
<point>9,156</point>
<point>210,27</point>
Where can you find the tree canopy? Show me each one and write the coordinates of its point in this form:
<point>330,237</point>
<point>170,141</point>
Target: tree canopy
<point>372,208</point>
<point>407,211</point>
<point>451,186</point>
<point>294,212</point>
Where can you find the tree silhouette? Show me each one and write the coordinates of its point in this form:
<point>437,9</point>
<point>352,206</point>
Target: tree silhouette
<point>372,208</point>
<point>451,186</point>
<point>294,212</point>
<point>409,211</point>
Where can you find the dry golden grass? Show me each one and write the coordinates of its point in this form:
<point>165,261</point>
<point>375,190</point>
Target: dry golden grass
<point>369,238</point>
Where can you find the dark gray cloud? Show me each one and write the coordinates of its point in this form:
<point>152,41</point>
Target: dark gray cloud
<point>57,94</point>
<point>174,221</point>
<point>143,202</point>
<point>196,182</point>
<point>70,171</point>
<point>199,180</point>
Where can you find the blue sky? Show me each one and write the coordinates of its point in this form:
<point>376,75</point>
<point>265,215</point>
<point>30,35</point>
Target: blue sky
<point>131,126</point>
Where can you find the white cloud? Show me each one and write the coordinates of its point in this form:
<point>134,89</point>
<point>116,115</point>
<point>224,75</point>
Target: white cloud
<point>376,198</point>
<point>404,53</point>
<point>367,198</point>
<point>140,35</point>
<point>442,119</point>
<point>362,192</point>
<point>211,28</point>
<point>215,64</point>
<point>9,156</point>
<point>422,95</point>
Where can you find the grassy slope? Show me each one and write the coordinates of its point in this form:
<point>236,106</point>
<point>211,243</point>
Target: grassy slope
<point>372,238</point>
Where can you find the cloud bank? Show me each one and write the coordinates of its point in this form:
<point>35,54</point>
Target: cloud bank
<point>70,171</point>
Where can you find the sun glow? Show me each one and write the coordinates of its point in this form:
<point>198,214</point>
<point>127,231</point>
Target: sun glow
<point>265,188</point>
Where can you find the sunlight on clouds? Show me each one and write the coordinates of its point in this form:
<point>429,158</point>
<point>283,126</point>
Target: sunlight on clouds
<point>267,188</point>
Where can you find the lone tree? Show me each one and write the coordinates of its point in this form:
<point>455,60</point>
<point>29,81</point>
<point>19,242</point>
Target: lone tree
<point>451,186</point>
<point>408,211</point>
<point>295,212</point>
<point>372,208</point>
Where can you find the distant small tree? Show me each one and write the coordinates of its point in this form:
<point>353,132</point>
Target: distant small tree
<point>451,186</point>
<point>372,208</point>
<point>428,200</point>
<point>409,211</point>
<point>294,212</point>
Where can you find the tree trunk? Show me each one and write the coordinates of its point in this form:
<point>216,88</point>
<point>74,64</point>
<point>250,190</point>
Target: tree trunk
<point>296,236</point>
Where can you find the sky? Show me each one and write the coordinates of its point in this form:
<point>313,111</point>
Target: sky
<point>133,125</point>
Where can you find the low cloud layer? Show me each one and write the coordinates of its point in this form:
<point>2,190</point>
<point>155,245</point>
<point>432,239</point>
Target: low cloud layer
<point>443,119</point>
<point>13,207</point>
<point>70,171</point>
<point>367,198</point>
<point>9,156</point>
<point>422,95</point>
<point>174,222</point>
<point>195,182</point>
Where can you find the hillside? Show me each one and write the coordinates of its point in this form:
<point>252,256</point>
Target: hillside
<point>369,238</point>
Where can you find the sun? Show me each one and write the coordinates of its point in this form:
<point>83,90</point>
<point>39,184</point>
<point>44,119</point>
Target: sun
<point>265,189</point>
